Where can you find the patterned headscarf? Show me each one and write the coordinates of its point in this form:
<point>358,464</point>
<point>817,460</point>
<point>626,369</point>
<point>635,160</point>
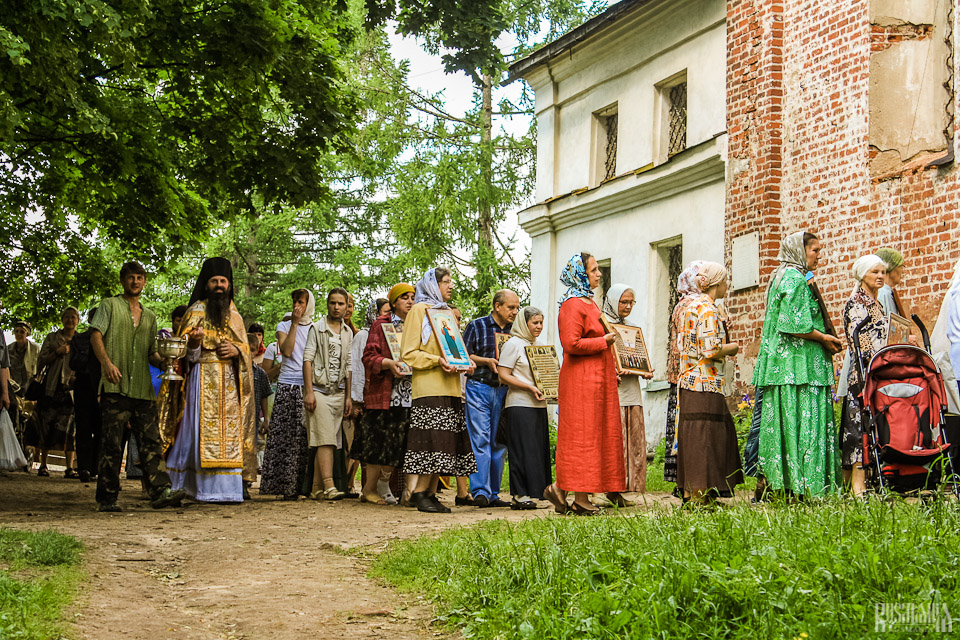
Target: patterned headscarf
<point>687,282</point>
<point>428,290</point>
<point>611,303</point>
<point>371,315</point>
<point>793,255</point>
<point>574,275</point>
<point>891,257</point>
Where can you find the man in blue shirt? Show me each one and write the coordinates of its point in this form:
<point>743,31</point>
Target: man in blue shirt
<point>485,396</point>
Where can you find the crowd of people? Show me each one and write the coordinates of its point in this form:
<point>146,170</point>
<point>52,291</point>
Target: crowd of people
<point>328,401</point>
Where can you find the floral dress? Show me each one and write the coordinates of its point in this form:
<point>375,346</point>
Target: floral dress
<point>873,337</point>
<point>798,441</point>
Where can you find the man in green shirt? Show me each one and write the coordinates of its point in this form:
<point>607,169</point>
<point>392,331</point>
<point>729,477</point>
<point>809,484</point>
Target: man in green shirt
<point>123,338</point>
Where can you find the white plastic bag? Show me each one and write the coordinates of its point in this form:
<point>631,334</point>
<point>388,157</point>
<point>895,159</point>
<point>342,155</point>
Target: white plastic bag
<point>11,455</point>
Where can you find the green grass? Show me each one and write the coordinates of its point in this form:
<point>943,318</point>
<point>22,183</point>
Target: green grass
<point>39,573</point>
<point>814,570</point>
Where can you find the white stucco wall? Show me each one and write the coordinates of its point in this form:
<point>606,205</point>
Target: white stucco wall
<point>624,68</point>
<point>623,220</point>
<point>628,240</point>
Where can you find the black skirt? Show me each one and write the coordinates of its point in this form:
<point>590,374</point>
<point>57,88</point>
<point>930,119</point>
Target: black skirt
<point>381,436</point>
<point>438,442</point>
<point>669,457</point>
<point>528,448</point>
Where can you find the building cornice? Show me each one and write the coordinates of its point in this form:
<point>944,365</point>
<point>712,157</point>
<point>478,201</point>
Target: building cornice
<point>697,166</point>
<point>572,38</point>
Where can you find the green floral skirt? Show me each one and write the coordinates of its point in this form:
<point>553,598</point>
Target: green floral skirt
<point>798,440</point>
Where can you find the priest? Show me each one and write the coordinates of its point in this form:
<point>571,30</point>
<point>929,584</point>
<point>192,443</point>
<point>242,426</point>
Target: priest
<point>212,449</point>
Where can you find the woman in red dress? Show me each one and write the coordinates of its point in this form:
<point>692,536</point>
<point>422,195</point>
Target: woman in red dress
<point>589,438</point>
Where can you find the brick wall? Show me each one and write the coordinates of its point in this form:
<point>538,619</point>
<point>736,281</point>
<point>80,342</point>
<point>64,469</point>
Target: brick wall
<point>798,86</point>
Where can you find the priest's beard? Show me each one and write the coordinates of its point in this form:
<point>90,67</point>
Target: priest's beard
<point>218,308</point>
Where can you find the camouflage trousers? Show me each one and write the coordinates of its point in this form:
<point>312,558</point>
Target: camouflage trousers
<point>118,410</point>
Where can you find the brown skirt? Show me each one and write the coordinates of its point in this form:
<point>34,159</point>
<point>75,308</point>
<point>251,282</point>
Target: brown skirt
<point>634,447</point>
<point>708,457</point>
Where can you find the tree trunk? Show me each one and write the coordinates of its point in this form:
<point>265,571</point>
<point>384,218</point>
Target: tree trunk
<point>486,276</point>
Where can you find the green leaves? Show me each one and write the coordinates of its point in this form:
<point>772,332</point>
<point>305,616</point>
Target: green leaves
<point>139,124</point>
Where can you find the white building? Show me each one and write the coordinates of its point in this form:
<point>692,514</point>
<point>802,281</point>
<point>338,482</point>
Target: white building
<point>631,110</point>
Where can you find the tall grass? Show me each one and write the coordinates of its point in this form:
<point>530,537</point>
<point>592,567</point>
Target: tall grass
<point>813,570</point>
<point>38,576</point>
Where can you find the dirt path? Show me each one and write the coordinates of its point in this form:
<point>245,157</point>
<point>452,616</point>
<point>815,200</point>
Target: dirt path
<point>263,569</point>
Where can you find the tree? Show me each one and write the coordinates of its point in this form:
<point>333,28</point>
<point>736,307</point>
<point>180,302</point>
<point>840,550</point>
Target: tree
<point>342,239</point>
<point>467,172</point>
<point>135,125</point>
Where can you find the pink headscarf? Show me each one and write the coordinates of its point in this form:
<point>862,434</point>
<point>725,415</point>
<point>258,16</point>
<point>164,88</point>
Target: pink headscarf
<point>687,282</point>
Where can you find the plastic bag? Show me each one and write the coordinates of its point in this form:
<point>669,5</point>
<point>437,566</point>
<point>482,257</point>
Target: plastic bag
<point>11,455</point>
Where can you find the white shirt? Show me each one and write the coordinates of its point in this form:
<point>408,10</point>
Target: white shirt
<point>291,367</point>
<point>514,356</point>
<point>270,353</point>
<point>356,364</point>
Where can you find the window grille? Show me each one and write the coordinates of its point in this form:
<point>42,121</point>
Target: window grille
<point>678,119</point>
<point>610,149</point>
<point>674,269</point>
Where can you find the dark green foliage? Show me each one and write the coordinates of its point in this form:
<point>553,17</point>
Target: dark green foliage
<point>139,124</point>
<point>469,30</point>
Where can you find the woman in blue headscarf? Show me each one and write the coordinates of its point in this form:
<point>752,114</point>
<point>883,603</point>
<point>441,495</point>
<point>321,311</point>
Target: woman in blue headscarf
<point>589,437</point>
<point>437,442</point>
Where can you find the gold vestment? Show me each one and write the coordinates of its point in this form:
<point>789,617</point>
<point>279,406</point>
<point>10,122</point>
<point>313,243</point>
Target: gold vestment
<point>227,429</point>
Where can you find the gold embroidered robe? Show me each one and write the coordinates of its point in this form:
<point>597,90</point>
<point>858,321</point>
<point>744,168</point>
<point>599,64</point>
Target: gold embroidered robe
<point>227,428</point>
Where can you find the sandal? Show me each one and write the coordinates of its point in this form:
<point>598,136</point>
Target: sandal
<point>523,505</point>
<point>552,493</point>
<point>378,500</point>
<point>71,474</point>
<point>43,472</point>
<point>620,502</point>
<point>579,510</point>
<point>329,494</point>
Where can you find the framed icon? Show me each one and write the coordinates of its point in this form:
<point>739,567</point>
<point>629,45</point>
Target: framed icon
<point>501,340</point>
<point>545,367</point>
<point>899,330</point>
<point>629,349</point>
<point>393,337</point>
<point>445,329</point>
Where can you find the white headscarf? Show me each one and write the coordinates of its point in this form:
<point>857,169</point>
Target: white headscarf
<point>307,318</point>
<point>611,303</point>
<point>428,290</point>
<point>862,265</point>
<point>520,328</point>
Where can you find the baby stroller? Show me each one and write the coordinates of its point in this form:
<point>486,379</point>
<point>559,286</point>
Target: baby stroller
<point>904,446</point>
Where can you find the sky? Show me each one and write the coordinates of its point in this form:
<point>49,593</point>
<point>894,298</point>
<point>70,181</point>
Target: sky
<point>427,74</point>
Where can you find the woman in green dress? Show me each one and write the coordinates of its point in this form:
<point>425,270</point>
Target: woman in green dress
<point>798,435</point>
